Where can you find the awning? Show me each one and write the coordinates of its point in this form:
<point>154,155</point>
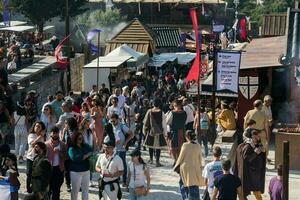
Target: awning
<point>18,28</point>
<point>136,58</point>
<point>108,62</point>
<point>263,52</point>
<point>14,23</point>
<point>119,56</point>
<point>159,60</point>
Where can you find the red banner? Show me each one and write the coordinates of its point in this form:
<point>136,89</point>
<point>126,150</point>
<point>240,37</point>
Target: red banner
<point>61,62</point>
<point>193,74</point>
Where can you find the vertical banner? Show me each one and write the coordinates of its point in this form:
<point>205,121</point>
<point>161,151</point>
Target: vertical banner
<point>228,66</point>
<point>6,17</point>
<point>193,74</point>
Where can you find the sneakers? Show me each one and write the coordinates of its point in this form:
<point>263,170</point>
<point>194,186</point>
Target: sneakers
<point>68,188</point>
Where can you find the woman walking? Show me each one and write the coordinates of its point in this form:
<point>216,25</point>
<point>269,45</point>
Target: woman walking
<point>155,129</point>
<point>68,133</point>
<point>176,120</point>
<point>189,165</point>
<point>79,153</point>
<point>48,118</point>
<point>97,116</point>
<point>138,177</point>
<point>36,134</point>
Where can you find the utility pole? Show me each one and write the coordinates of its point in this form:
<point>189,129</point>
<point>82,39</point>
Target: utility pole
<point>67,33</point>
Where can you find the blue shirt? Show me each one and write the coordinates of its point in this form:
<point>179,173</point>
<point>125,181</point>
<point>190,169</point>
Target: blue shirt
<point>120,132</point>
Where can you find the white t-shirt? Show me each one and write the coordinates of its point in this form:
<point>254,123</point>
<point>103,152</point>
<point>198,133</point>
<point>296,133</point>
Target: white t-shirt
<point>189,109</point>
<point>114,110</point>
<point>31,138</point>
<point>115,165</point>
<point>138,177</point>
<point>212,170</point>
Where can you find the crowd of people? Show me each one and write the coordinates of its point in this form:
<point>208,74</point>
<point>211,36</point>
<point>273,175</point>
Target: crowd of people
<point>73,136</point>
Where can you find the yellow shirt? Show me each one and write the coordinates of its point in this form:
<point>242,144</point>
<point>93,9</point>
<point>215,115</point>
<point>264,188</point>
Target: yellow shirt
<point>258,116</point>
<point>226,119</point>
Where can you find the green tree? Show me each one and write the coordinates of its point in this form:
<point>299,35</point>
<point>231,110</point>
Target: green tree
<point>40,11</point>
<point>109,20</point>
<point>256,12</point>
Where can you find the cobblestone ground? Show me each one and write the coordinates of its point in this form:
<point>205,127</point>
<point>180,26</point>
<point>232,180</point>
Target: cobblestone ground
<point>164,182</point>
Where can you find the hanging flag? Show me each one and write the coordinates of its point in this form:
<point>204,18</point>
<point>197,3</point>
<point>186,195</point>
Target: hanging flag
<point>193,74</point>
<point>6,17</point>
<point>94,49</point>
<point>61,62</point>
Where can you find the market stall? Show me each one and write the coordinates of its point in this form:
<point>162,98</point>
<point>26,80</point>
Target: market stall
<point>113,67</point>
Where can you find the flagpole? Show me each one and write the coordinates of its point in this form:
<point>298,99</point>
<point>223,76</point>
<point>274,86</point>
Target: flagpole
<point>199,84</point>
<point>98,57</point>
<point>67,32</point>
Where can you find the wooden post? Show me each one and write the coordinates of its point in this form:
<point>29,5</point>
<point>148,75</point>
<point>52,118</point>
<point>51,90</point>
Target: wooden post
<point>98,60</point>
<point>285,171</point>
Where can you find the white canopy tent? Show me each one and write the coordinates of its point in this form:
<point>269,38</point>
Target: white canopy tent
<point>14,23</point>
<point>113,60</point>
<point>18,28</point>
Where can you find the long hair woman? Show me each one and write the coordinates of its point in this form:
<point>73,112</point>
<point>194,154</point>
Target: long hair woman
<point>48,118</point>
<point>176,120</point>
<point>138,177</point>
<point>79,153</point>
<point>70,129</point>
<point>9,172</point>
<point>97,116</point>
<point>36,134</point>
<point>189,165</point>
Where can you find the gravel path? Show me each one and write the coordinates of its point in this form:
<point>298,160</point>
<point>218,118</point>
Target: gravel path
<point>164,182</point>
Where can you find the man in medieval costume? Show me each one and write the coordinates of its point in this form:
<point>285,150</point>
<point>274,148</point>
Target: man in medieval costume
<point>250,164</point>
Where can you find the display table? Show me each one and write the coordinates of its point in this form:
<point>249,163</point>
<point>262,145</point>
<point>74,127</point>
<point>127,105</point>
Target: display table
<point>294,139</point>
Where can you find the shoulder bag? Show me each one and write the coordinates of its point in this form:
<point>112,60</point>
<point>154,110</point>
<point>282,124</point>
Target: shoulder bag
<point>141,190</point>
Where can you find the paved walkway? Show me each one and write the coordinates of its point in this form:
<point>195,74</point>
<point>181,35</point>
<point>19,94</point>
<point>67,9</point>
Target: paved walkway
<point>164,182</point>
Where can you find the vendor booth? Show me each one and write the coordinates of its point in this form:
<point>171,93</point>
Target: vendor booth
<point>113,67</point>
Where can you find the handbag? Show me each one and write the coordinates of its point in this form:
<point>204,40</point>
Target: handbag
<point>141,190</point>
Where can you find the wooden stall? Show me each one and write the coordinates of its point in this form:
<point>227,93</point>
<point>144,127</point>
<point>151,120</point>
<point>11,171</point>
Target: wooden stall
<point>294,139</point>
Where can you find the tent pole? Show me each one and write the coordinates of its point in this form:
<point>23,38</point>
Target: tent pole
<point>98,57</point>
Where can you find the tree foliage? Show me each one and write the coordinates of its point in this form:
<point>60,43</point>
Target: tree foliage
<point>40,11</point>
<point>109,20</point>
<point>251,9</point>
<point>101,18</point>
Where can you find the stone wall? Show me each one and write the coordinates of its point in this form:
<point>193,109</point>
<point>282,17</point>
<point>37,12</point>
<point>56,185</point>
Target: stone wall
<point>49,82</point>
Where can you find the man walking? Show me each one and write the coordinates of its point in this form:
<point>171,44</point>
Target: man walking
<point>111,167</point>
<point>261,122</point>
<point>122,136</point>
<point>250,165</point>
<point>212,170</point>
<point>227,186</point>
<point>56,153</point>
